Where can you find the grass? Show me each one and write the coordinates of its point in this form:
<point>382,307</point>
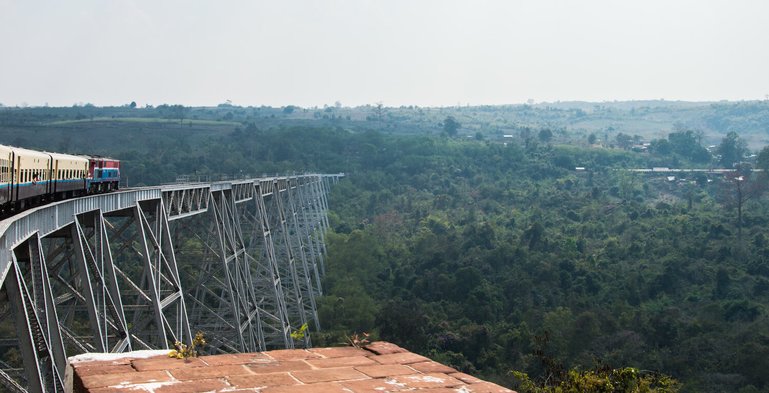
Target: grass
<point>143,120</point>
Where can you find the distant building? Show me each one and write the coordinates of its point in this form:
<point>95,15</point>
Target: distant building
<point>641,147</point>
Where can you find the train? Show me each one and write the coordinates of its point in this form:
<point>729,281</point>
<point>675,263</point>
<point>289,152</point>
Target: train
<point>31,178</point>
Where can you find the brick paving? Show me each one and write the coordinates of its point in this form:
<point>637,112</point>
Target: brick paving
<point>380,367</point>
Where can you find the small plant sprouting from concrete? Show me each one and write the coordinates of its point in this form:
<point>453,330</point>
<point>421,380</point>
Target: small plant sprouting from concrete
<point>358,341</point>
<point>299,334</point>
<point>184,351</point>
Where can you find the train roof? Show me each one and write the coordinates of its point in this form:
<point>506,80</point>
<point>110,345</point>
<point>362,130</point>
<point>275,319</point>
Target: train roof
<point>60,156</point>
<point>57,156</point>
<point>98,157</point>
<point>27,153</point>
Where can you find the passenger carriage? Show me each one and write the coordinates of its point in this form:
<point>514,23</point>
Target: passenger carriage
<point>70,175</point>
<point>29,177</point>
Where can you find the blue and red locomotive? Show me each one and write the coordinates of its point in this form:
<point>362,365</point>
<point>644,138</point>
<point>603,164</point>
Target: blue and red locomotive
<point>29,177</point>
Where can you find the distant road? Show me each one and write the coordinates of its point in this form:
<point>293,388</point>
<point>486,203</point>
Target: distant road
<point>685,170</point>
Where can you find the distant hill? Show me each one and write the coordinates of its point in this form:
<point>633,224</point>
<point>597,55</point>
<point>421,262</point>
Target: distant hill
<point>572,120</point>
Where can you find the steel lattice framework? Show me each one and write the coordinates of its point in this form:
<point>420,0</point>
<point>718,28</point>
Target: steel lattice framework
<point>143,268</point>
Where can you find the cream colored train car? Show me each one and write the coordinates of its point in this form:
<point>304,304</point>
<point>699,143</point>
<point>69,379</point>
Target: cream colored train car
<point>69,173</point>
<point>6,174</point>
<point>29,177</point>
<point>30,174</point>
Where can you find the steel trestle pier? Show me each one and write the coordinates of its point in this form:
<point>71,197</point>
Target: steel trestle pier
<point>143,268</point>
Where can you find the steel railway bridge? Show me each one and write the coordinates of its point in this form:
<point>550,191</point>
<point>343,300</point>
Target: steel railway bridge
<point>143,268</point>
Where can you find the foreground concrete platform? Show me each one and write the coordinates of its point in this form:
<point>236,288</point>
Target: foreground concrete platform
<point>379,367</point>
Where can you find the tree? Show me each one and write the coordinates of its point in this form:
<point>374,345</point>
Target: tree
<point>179,112</point>
<point>289,109</point>
<point>687,144</point>
<point>451,126</point>
<point>624,140</point>
<point>545,135</point>
<point>379,111</point>
<point>660,146</point>
<point>591,139</point>
<point>743,187</point>
<point>132,105</point>
<point>762,162</point>
<point>732,149</point>
<point>600,380</point>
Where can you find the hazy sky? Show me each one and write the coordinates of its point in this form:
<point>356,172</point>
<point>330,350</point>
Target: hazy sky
<point>399,52</point>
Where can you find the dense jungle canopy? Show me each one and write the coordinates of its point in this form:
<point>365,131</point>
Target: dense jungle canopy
<point>480,244</point>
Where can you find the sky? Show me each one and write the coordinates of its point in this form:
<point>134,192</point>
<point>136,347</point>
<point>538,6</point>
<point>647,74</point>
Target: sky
<point>396,52</point>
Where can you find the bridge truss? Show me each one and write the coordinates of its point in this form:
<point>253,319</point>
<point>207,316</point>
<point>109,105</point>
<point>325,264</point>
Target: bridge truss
<point>240,261</point>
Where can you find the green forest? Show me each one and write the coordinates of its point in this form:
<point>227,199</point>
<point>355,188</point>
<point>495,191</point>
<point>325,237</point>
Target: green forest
<point>490,253</point>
